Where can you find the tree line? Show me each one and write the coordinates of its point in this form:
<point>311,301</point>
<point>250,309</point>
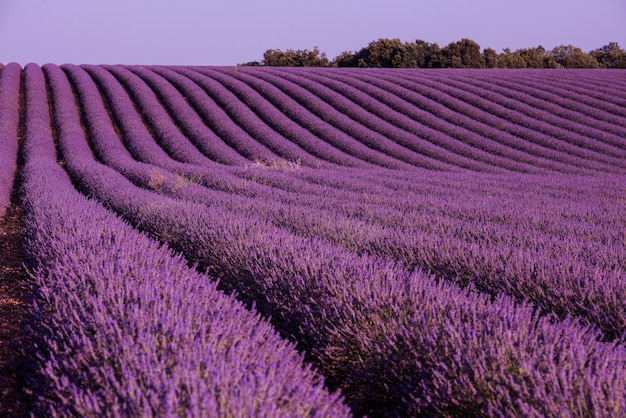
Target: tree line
<point>466,53</point>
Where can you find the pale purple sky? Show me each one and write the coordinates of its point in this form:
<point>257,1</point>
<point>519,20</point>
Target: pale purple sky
<point>222,32</point>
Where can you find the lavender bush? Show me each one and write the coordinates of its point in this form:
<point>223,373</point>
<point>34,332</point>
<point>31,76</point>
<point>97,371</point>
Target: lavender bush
<point>130,329</point>
<point>435,243</point>
<point>9,122</point>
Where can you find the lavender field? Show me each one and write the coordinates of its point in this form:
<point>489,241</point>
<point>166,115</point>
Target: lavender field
<point>218,241</point>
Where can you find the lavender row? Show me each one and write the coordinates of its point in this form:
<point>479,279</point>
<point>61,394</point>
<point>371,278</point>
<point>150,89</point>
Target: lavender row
<point>171,149</point>
<point>287,128</point>
<point>137,155</point>
<point>249,122</point>
<point>169,133</point>
<point>472,122</point>
<point>598,109</point>
<point>9,125</point>
<point>392,244</point>
<point>143,147</point>
<point>272,116</point>
<point>438,134</point>
<point>404,150</point>
<point>607,86</point>
<point>205,143</point>
<point>566,277</point>
<point>131,130</point>
<point>456,249</point>
<point>570,138</point>
<point>343,86</point>
<point>545,250</point>
<point>478,134</point>
<point>605,78</point>
<point>130,329</point>
<point>574,163</point>
<point>182,112</point>
<point>260,261</point>
<point>584,100</point>
<point>152,136</point>
<point>479,148</point>
<point>553,114</point>
<point>558,119</point>
<point>172,362</point>
<point>466,114</point>
<point>337,147</point>
<point>503,83</point>
<point>437,115</point>
<point>416,239</point>
<point>586,81</point>
<point>139,145</point>
<point>381,122</point>
<point>244,256</point>
<point>308,111</point>
<point>218,120</point>
<point>246,119</point>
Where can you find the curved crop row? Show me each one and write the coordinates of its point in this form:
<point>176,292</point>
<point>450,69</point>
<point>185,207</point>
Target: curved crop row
<point>339,134</point>
<point>587,142</point>
<point>242,116</point>
<point>335,115</point>
<point>458,119</point>
<point>557,118</point>
<point>553,282</point>
<point>323,296</point>
<point>130,329</point>
<point>258,102</point>
<point>510,150</point>
<point>605,86</point>
<point>345,205</point>
<point>601,110</point>
<point>218,120</point>
<point>432,157</point>
<point>385,118</point>
<point>455,247</point>
<point>9,122</point>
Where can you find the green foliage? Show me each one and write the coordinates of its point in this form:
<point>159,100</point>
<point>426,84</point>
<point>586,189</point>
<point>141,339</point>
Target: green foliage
<point>491,57</point>
<point>527,58</point>
<point>463,54</point>
<point>293,58</point>
<point>345,59</point>
<point>392,53</point>
<point>466,53</point>
<point>610,56</point>
<point>569,56</point>
<point>250,64</point>
<point>387,53</point>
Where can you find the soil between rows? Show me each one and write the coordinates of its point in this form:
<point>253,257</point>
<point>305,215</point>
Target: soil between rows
<point>15,318</point>
<point>18,340</point>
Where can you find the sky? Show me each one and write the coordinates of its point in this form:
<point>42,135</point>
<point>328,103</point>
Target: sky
<point>223,32</point>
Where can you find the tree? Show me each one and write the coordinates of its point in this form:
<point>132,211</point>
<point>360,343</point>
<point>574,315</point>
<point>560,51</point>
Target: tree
<point>345,59</point>
<point>427,55</point>
<point>437,59</point>
<point>491,57</point>
<point>509,59</point>
<point>292,58</point>
<point>569,56</point>
<point>466,53</point>
<point>383,52</point>
<point>463,54</point>
<point>408,56</point>
<point>610,56</point>
<point>250,64</point>
<point>533,57</point>
<point>392,53</point>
